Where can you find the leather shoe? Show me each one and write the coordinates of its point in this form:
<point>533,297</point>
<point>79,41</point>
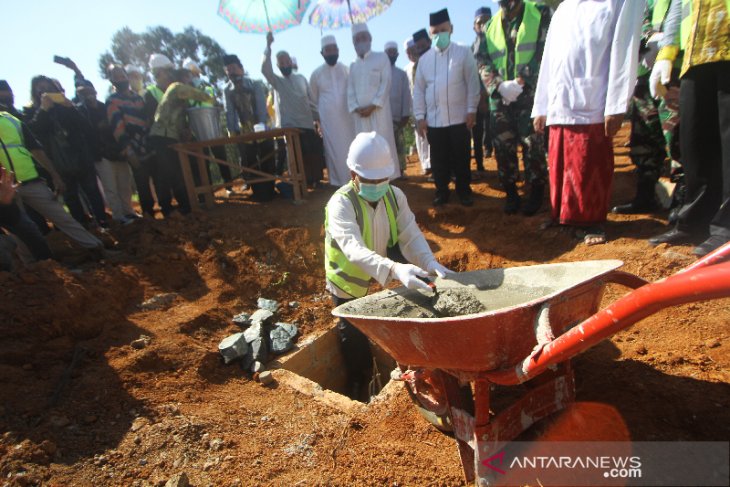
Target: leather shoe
<point>672,237</point>
<point>467,200</point>
<point>440,200</point>
<point>709,245</point>
<point>635,208</point>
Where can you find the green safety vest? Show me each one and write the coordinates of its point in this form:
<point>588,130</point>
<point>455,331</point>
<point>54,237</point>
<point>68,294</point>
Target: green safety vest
<point>526,40</point>
<point>208,90</point>
<point>13,154</point>
<point>155,91</point>
<point>341,272</point>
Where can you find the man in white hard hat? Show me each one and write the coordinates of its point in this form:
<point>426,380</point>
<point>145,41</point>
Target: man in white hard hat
<point>136,78</point>
<point>369,232</point>
<point>368,91</point>
<point>162,71</point>
<point>328,84</point>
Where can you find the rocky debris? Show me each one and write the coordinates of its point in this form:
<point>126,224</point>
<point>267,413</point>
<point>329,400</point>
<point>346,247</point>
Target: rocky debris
<point>282,337</point>
<point>712,343</point>
<point>216,444</point>
<point>262,335</point>
<point>242,319</point>
<point>142,342</point>
<point>262,316</point>
<point>293,304</point>
<point>265,378</point>
<point>59,421</point>
<point>268,304</point>
<point>641,349</point>
<point>160,301</point>
<point>178,480</point>
<point>233,347</point>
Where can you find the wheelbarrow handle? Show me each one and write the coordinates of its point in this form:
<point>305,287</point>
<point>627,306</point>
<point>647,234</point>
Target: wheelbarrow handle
<point>718,255</point>
<point>704,283</point>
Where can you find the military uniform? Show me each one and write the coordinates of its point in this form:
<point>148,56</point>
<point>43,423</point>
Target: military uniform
<point>654,123</point>
<point>512,50</point>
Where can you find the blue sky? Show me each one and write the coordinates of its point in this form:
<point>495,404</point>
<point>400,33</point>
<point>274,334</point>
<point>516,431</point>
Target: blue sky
<point>36,30</point>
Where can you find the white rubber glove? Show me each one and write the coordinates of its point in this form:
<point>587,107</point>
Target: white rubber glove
<point>435,268</point>
<point>510,91</point>
<point>409,275</point>
<point>660,76</point>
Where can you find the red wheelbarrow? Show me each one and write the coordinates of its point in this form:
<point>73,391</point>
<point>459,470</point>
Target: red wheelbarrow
<point>452,364</point>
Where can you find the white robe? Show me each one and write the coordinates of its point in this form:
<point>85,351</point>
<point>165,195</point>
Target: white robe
<point>588,70</point>
<point>369,84</point>
<point>329,91</point>
<point>422,147</point>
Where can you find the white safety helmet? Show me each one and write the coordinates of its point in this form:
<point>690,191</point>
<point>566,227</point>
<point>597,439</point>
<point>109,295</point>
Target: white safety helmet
<point>160,61</point>
<point>370,157</point>
<point>191,66</point>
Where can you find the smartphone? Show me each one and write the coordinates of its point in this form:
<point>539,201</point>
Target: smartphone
<point>63,61</point>
<point>56,97</point>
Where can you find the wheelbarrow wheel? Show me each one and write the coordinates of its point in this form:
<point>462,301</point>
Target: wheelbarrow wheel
<point>441,421</point>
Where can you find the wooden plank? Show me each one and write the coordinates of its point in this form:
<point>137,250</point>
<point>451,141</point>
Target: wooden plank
<point>188,178</point>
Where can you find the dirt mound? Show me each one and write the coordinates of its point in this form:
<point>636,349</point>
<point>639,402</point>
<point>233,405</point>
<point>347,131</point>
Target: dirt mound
<point>80,405</point>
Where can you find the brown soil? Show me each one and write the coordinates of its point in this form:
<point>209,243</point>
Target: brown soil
<point>124,416</point>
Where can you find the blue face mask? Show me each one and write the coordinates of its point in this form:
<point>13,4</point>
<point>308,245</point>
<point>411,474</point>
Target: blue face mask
<point>373,192</point>
<point>442,40</point>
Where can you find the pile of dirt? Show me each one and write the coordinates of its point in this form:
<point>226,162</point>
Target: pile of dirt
<point>81,405</point>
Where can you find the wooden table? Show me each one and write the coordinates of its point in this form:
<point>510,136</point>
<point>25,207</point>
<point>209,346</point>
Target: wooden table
<point>195,149</point>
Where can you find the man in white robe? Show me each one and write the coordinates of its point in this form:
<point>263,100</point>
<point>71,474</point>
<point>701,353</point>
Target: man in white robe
<point>586,81</point>
<point>400,102</point>
<point>328,84</point>
<point>424,152</point>
<point>368,91</point>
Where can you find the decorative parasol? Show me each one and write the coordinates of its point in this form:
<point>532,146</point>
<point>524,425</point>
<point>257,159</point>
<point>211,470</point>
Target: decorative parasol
<point>334,14</point>
<point>261,16</point>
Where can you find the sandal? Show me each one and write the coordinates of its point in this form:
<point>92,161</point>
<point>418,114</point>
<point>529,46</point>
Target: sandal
<point>591,235</point>
<point>549,224</point>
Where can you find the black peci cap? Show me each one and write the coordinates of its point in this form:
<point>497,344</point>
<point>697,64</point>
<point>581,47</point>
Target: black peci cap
<point>231,59</point>
<point>439,17</point>
<point>421,34</point>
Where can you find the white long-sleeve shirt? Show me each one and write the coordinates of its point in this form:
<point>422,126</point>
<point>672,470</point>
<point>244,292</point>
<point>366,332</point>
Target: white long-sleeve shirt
<point>589,66</point>
<point>342,226</point>
<point>446,86</point>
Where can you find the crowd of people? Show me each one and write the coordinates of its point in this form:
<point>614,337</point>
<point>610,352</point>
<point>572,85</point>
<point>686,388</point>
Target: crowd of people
<point>552,84</point>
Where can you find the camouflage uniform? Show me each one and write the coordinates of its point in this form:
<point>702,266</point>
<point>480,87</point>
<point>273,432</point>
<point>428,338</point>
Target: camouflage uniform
<point>511,125</point>
<point>653,122</point>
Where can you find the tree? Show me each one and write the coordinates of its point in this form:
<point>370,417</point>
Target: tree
<point>129,47</point>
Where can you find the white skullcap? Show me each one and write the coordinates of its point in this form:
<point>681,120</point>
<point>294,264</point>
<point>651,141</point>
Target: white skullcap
<point>357,28</point>
<point>160,61</point>
<point>408,43</point>
<point>191,65</point>
<point>328,41</point>
<point>294,61</point>
<point>131,68</point>
<point>369,156</point>
<point>390,45</point>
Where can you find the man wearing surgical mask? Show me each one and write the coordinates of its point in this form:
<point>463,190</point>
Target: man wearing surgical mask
<point>445,99</point>
<point>296,109</point>
<point>508,60</point>
<point>400,103</point>
<point>368,91</point>
<point>329,91</point>
<point>371,234</point>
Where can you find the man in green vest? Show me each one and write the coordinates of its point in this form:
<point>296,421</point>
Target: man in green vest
<point>509,64</point>
<point>653,122</point>
<point>163,72</point>
<point>704,130</point>
<point>369,231</point>
<point>19,154</point>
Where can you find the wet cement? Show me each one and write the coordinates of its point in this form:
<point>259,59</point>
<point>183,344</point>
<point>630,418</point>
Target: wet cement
<point>478,291</point>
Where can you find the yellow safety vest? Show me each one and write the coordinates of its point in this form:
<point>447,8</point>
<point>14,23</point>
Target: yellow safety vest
<point>341,272</point>
<point>526,41</point>
<point>207,89</point>
<point>155,91</point>
<point>13,154</point>
<point>686,25</point>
